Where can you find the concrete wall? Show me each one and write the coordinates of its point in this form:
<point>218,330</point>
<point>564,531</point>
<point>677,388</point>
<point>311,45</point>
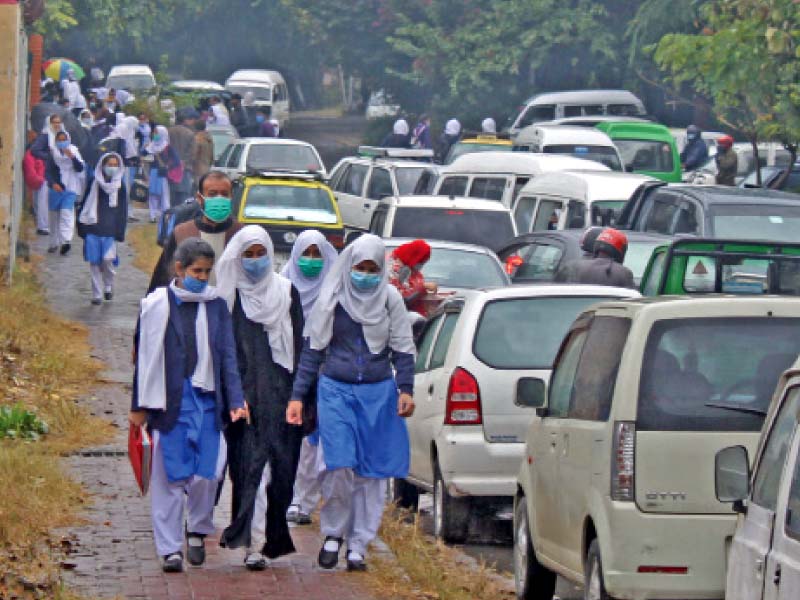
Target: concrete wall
<point>13,108</point>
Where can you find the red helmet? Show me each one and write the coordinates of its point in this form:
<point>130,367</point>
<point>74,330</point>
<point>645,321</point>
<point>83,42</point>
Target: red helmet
<point>612,242</point>
<point>725,141</point>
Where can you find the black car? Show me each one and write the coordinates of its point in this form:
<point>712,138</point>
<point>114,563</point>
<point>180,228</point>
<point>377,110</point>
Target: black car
<point>535,257</point>
<point>713,212</point>
<point>770,177</point>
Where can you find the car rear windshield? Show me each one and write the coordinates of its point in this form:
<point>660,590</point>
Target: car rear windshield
<point>131,82</point>
<point>603,154</point>
<point>292,157</point>
<point>407,179</point>
<point>453,268</point>
<point>757,221</point>
<point>482,227</point>
<point>646,155</point>
<point>289,203</point>
<point>714,374</point>
<point>525,333</point>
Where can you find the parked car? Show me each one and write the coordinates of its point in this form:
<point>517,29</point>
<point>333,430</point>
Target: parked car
<point>557,105</point>
<point>770,176</point>
<point>501,175</point>
<point>536,257</point>
<point>578,198</point>
<point>646,148</point>
<point>268,87</point>
<point>381,105</point>
<point>195,86</point>
<point>616,491</point>
<point>360,182</point>
<point>467,220</point>
<point>478,142</point>
<point>286,204</point>
<point>701,266</point>
<point>222,136</point>
<point>253,155</point>
<point>132,78</point>
<point>764,559</point>
<point>581,142</point>
<point>713,212</point>
<point>476,360</point>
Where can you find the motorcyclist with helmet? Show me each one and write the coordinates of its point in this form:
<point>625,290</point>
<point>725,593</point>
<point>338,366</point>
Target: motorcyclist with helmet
<point>604,265</point>
<point>695,154</point>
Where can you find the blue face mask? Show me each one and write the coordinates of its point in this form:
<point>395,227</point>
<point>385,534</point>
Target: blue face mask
<point>257,268</point>
<point>260,118</point>
<point>62,145</point>
<point>364,282</point>
<point>196,286</point>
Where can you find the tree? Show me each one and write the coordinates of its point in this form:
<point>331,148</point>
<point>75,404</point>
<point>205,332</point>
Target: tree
<point>745,60</point>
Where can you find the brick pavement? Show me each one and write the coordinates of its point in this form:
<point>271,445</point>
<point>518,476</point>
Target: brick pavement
<point>112,554</point>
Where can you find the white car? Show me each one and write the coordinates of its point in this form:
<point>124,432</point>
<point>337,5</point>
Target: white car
<point>253,155</point>
<point>476,362</point>
<point>764,559</point>
<point>132,78</point>
<point>381,105</point>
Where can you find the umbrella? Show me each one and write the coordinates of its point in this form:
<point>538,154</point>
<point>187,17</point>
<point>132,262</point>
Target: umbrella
<point>56,69</point>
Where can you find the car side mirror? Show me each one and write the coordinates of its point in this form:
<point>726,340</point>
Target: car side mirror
<point>732,476</point>
<point>531,393</point>
<point>351,237</point>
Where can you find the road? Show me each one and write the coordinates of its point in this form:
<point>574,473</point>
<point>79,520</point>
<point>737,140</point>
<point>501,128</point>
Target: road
<point>334,138</point>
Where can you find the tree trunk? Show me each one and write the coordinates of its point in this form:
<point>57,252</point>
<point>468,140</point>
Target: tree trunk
<point>781,181</point>
<point>757,159</point>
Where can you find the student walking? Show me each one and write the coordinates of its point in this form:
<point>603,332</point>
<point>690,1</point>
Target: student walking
<point>360,330</point>
<point>187,388</point>
<point>263,453</point>
<point>164,158</point>
<point>33,169</point>
<point>64,173</point>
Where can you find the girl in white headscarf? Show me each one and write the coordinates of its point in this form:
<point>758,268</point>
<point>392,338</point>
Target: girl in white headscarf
<point>102,222</point>
<point>360,330</point>
<point>451,135</point>
<point>262,454</point>
<point>164,158</point>
<point>123,141</point>
<point>64,172</point>
<point>311,260</point>
<point>400,136</point>
<point>42,149</point>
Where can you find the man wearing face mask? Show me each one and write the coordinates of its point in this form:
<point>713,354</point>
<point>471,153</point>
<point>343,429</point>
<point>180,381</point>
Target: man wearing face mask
<point>695,154</point>
<point>213,222</point>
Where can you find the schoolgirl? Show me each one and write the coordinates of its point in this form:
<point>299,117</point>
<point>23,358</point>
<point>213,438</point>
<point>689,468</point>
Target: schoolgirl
<point>65,179</point>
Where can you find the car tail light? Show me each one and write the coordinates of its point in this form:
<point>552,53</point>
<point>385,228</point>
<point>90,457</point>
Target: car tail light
<point>463,400</point>
<point>623,462</point>
<point>663,570</point>
<point>513,263</point>
<point>336,240</point>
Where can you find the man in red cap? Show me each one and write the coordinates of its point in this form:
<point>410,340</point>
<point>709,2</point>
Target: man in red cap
<point>605,267</point>
<point>727,161</point>
<point>405,273</point>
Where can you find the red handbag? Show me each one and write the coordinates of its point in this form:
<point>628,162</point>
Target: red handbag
<point>175,174</point>
<point>140,453</point>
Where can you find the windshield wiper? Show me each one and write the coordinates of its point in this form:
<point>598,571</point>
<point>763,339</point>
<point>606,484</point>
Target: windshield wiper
<point>738,408</point>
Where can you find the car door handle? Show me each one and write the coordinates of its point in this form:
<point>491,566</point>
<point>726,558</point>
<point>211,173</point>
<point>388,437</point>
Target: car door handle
<point>553,440</point>
<point>777,577</point>
<point>759,566</point>
<point>430,390</point>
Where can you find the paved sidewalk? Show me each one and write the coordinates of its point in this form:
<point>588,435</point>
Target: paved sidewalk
<point>113,555</point>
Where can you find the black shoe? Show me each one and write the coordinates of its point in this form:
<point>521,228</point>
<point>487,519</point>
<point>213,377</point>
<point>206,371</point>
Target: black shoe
<point>195,549</point>
<point>172,563</point>
<point>355,562</point>
<point>52,249</point>
<point>108,295</point>
<point>65,248</point>
<point>42,232</point>
<point>132,219</point>
<point>97,301</point>
<point>328,559</point>
<point>255,561</point>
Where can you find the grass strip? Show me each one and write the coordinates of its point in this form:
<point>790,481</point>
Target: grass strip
<point>142,238</point>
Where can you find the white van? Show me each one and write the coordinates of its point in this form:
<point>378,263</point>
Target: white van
<point>580,142</point>
<point>501,175</point>
<point>558,105</point>
<point>268,87</point>
<point>579,198</point>
<point>131,78</point>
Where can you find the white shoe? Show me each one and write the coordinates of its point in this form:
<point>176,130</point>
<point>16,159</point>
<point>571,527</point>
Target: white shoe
<point>255,561</point>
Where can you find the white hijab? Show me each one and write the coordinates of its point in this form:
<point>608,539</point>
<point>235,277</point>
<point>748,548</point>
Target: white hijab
<point>400,127</point>
<point>249,99</point>
<point>308,287</point>
<point>72,179</point>
<point>51,135</point>
<point>158,147</point>
<point>381,311</point>
<point>126,130</point>
<point>488,125</point>
<point>267,301</point>
<point>88,215</point>
<point>452,127</point>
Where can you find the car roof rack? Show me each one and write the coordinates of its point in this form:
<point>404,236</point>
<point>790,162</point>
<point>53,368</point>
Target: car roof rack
<point>407,153</point>
<point>288,174</point>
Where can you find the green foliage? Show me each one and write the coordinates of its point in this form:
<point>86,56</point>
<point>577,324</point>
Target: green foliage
<point>21,424</point>
<point>59,16</point>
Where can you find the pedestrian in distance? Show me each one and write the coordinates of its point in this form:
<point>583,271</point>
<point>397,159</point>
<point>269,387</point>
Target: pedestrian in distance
<point>203,156</point>
<point>238,115</point>
<point>212,220</point>
<point>399,137</point>
<point>182,140</point>
<point>187,389</point>
<point>250,127</point>
<point>101,223</point>
<point>33,169</point>
<point>219,114</point>
<point>264,126</point>
<point>421,136</point>
<point>605,266</point>
<point>695,154</point>
<point>312,258</point>
<point>263,452</point>
<point>359,334</point>
<point>727,161</point>
<point>451,135</point>
<point>488,125</point>
<point>162,158</point>
<point>65,178</point>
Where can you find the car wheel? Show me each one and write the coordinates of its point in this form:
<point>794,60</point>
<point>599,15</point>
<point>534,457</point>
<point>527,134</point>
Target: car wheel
<point>531,580</point>
<point>450,515</point>
<point>404,494</point>
<point>594,585</point>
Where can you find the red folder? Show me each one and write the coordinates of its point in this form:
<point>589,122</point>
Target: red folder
<point>140,453</point>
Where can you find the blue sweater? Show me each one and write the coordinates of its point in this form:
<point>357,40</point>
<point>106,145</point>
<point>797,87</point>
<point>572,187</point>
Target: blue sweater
<point>349,360</point>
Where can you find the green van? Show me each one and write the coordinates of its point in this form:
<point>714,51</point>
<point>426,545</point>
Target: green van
<point>646,148</point>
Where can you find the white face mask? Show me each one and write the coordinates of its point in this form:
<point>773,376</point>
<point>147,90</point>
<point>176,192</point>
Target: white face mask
<point>110,171</point>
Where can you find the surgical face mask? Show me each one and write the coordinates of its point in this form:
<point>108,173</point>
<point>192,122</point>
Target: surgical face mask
<point>196,286</point>
<point>86,120</point>
<point>217,208</point>
<point>691,136</point>
<point>365,282</point>
<point>110,171</point>
<point>257,268</point>
<point>310,267</point>
<point>156,137</point>
<point>260,118</point>
<point>62,144</point>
